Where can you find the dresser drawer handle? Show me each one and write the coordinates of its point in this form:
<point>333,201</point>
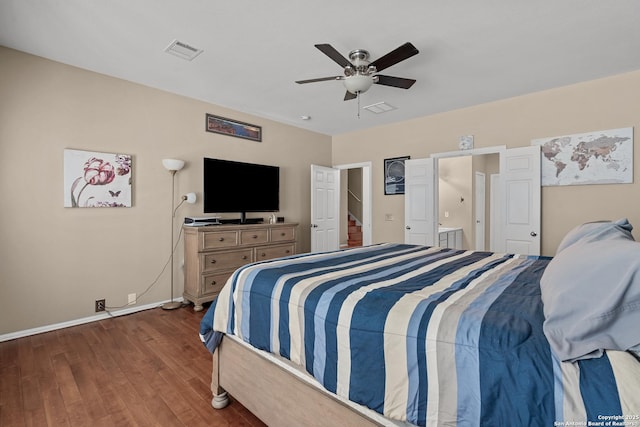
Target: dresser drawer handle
<point>255,236</point>
<point>287,251</point>
<point>244,257</point>
<point>213,283</point>
<point>283,234</point>
<point>221,239</point>
<point>263,254</point>
<point>213,261</point>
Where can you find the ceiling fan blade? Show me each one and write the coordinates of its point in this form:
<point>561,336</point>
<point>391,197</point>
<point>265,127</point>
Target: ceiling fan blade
<point>321,79</point>
<point>332,53</point>
<point>395,81</point>
<point>349,96</point>
<point>401,53</point>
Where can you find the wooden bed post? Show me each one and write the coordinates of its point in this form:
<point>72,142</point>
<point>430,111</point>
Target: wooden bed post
<point>220,397</point>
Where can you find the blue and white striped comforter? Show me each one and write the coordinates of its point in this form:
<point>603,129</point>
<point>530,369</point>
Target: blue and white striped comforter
<point>426,335</point>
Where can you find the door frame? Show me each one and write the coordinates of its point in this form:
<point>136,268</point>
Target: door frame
<point>479,210</point>
<point>495,220</point>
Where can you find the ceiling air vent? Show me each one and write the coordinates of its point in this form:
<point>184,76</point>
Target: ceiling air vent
<point>379,107</point>
<point>183,50</point>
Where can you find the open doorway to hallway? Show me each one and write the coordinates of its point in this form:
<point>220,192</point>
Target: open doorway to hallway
<point>351,203</point>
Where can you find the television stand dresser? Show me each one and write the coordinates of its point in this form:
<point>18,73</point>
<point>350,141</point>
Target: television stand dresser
<point>212,253</point>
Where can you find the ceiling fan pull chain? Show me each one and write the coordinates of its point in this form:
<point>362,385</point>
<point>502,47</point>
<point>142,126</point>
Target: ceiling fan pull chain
<point>358,96</point>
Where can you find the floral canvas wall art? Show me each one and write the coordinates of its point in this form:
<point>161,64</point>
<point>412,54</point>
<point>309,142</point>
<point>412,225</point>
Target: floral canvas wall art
<point>97,180</point>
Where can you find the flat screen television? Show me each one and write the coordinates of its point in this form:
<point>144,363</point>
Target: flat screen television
<point>240,187</point>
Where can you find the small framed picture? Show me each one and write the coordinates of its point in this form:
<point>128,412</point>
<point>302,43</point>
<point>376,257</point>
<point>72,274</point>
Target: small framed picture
<point>217,124</point>
<point>394,175</point>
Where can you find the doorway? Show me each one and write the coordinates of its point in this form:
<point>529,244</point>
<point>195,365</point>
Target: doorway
<point>321,209</point>
<point>464,197</point>
<point>516,221</point>
<point>355,201</point>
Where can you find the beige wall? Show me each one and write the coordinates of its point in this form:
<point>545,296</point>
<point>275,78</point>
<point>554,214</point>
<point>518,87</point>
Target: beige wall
<point>56,261</point>
<point>607,103</point>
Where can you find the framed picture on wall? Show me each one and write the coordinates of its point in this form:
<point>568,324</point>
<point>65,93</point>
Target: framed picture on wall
<point>96,179</point>
<point>217,124</point>
<point>394,175</point>
<point>599,157</point>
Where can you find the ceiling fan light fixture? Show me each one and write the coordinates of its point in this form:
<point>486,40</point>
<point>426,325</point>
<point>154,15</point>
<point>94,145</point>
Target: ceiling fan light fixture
<point>358,83</point>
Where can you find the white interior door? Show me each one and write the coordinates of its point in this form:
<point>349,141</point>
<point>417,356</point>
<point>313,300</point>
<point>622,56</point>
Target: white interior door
<point>521,201</point>
<point>325,208</point>
<point>479,198</point>
<point>420,205</point>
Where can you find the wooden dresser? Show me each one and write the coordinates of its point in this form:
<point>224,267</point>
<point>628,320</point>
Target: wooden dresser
<point>212,253</point>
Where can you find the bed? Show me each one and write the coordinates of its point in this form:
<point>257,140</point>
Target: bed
<point>396,334</point>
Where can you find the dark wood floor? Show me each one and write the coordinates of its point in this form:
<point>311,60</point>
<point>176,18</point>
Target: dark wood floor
<point>143,369</point>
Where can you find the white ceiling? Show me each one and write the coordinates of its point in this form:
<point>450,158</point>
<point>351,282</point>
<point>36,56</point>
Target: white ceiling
<point>471,52</point>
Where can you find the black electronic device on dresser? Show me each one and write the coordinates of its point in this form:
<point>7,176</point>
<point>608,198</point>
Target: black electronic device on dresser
<point>231,186</point>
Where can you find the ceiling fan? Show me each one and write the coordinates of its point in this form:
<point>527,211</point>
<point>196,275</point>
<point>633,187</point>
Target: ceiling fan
<point>360,74</point>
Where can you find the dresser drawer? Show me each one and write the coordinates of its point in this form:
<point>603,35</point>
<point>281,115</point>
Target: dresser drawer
<point>283,234</point>
<point>212,254</point>
<point>226,260</point>
<point>212,283</point>
<point>219,239</point>
<point>249,237</point>
<point>270,252</point>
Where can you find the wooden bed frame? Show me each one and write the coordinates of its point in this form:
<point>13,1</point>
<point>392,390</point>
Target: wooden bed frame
<point>273,394</point>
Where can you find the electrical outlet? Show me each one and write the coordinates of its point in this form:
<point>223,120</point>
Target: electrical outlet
<point>131,299</point>
<point>100,305</point>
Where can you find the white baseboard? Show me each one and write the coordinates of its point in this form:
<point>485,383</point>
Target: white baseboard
<point>76,322</point>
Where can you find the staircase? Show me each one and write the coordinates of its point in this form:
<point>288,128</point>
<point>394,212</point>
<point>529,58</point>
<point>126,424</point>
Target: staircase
<point>354,234</point>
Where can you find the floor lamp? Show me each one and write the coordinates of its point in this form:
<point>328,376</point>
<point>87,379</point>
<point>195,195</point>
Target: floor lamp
<point>173,166</point>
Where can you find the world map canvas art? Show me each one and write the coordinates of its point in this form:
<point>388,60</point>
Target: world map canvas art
<point>97,180</point>
<point>601,157</point>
